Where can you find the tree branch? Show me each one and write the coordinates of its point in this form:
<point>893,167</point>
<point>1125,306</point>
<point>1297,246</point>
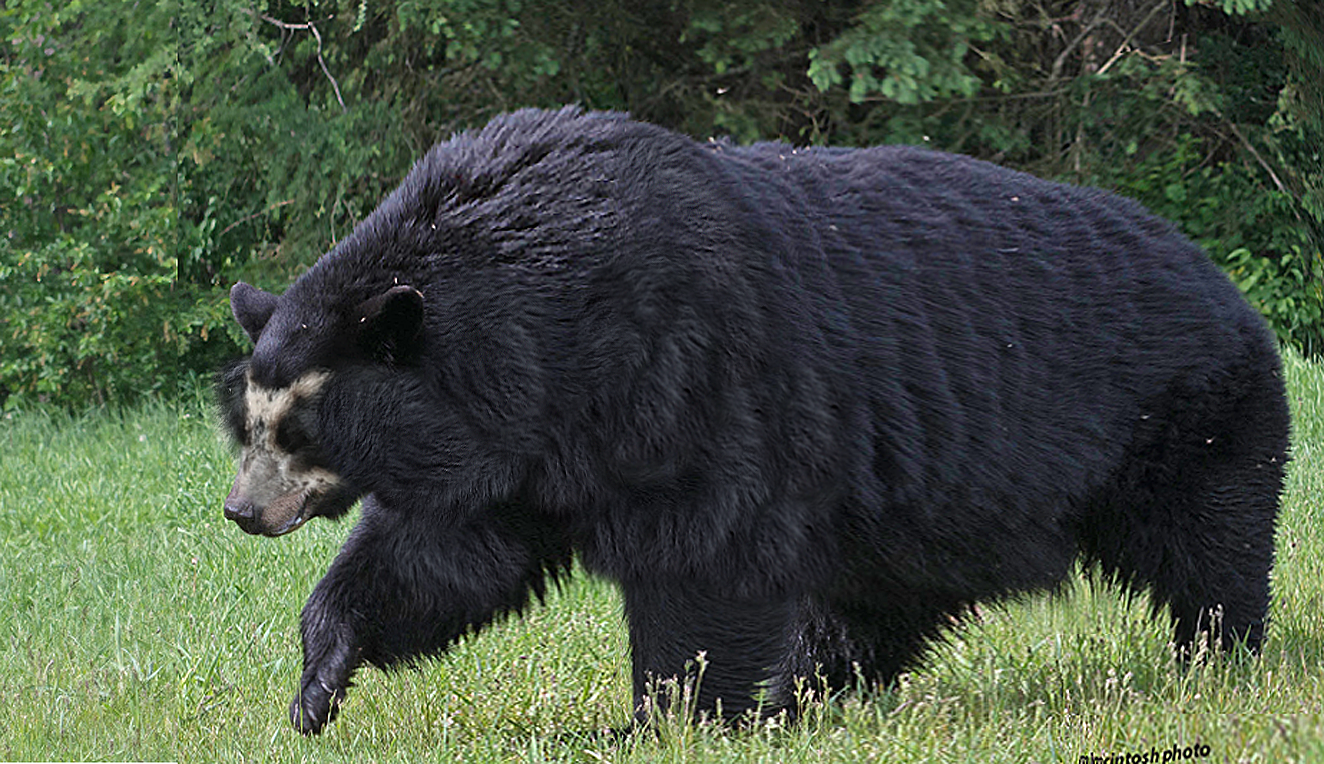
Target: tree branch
<point>1121,49</point>
<point>1061,59</point>
<point>247,218</point>
<point>317,36</point>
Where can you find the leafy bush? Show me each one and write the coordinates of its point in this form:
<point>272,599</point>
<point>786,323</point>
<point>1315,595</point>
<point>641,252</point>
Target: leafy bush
<point>153,153</point>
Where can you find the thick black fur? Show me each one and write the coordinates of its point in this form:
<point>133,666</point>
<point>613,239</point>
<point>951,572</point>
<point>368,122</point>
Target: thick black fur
<point>803,405</point>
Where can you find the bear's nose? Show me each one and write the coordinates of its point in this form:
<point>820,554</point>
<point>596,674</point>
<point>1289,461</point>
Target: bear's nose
<point>238,511</point>
<point>244,515</point>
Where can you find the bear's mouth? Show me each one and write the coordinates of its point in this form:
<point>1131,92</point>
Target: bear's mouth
<point>294,524</point>
<point>292,507</point>
<point>290,511</point>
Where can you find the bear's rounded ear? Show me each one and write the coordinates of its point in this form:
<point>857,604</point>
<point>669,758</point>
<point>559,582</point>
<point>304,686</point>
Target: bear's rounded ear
<point>252,308</point>
<point>389,324</point>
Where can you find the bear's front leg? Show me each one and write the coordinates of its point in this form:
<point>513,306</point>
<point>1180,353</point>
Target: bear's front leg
<point>739,643</point>
<point>330,657</point>
<point>334,628</point>
<point>406,585</point>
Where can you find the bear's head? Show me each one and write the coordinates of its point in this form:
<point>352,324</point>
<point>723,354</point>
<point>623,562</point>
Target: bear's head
<point>274,402</point>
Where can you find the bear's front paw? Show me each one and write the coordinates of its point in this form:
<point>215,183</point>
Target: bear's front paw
<point>315,706</point>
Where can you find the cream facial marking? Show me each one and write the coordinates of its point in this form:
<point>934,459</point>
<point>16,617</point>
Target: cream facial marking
<point>267,405</point>
<point>271,479</point>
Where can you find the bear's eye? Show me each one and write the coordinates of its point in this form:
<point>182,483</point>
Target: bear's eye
<point>290,437</point>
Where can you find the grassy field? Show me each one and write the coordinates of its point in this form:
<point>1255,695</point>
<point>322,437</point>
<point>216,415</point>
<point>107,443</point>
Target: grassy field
<point>137,624</point>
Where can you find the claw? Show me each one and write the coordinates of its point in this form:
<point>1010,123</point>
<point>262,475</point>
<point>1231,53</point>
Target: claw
<point>315,707</point>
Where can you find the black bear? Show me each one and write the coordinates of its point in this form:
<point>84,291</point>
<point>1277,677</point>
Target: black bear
<point>804,406</point>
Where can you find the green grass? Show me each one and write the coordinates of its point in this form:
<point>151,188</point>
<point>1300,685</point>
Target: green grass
<point>137,624</point>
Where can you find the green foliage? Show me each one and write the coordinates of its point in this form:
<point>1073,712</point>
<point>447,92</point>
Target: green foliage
<point>1262,238</point>
<point>909,51</point>
<point>1240,7</point>
<point>153,153</point>
<point>87,251</point>
<point>1289,291</point>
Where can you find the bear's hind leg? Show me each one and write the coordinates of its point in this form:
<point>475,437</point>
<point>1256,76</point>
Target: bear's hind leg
<point>1194,521</point>
<point>844,645</point>
<point>1215,578</point>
